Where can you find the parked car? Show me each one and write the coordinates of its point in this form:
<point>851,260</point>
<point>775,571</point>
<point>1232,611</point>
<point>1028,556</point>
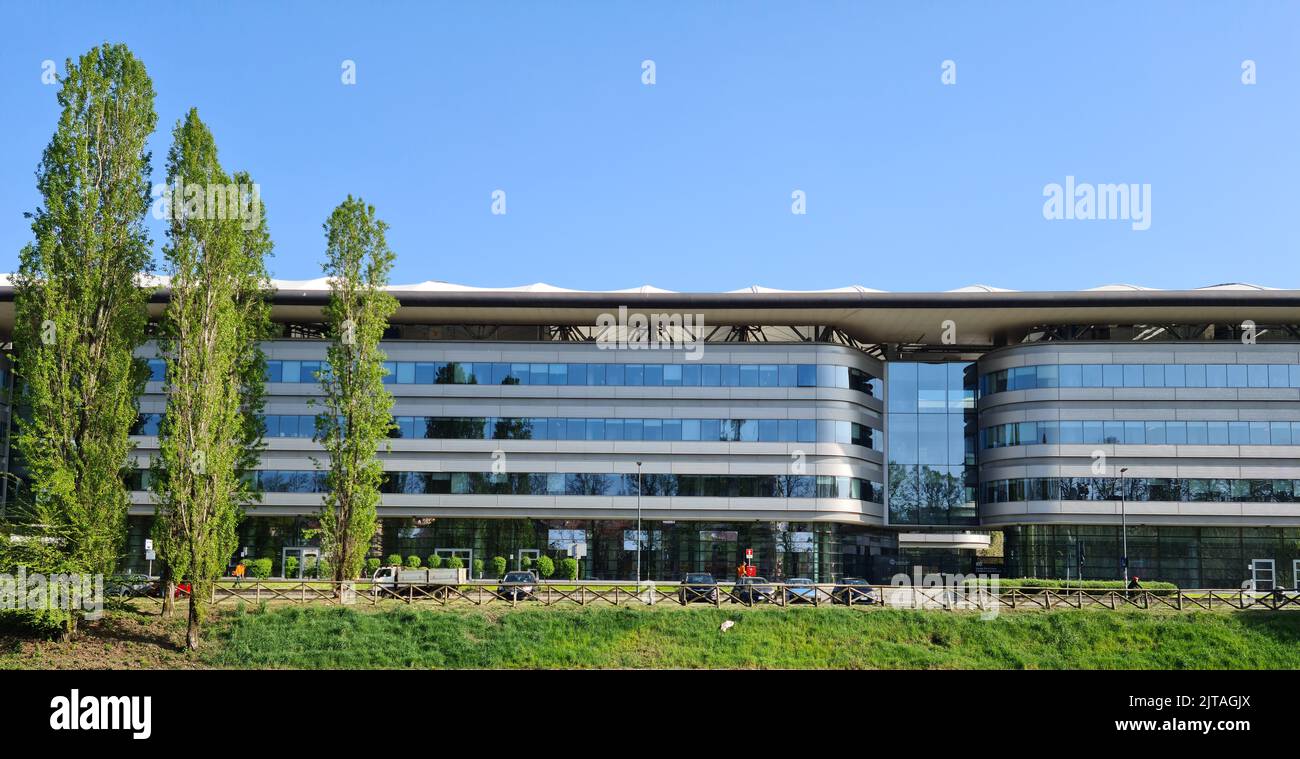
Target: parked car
<point>852,591</point>
<point>753,590</point>
<point>518,586</point>
<point>129,586</point>
<point>698,586</point>
<point>800,590</point>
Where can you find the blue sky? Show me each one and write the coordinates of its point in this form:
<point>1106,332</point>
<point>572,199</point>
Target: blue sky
<point>686,184</point>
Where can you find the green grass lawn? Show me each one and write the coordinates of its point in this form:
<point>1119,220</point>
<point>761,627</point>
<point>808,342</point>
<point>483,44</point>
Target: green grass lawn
<point>603,637</point>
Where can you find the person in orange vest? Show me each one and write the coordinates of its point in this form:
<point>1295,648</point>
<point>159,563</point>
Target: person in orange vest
<point>740,570</point>
<point>240,569</point>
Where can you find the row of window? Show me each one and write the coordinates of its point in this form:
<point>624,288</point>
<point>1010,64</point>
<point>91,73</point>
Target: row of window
<point>548,428</point>
<point>1140,375</point>
<point>604,484</point>
<point>632,375</point>
<point>1139,489</point>
<point>1141,433</point>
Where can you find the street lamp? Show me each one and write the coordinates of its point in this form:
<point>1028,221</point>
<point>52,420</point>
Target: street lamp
<point>638,526</point>
<point>1123,525</point>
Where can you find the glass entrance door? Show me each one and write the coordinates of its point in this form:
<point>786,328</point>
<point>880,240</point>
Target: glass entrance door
<point>1262,575</point>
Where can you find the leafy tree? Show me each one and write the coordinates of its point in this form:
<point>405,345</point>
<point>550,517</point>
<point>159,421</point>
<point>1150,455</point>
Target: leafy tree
<point>81,309</point>
<point>545,566</point>
<point>215,315</point>
<point>358,408</point>
<point>478,568</point>
<point>499,566</point>
<point>569,568</point>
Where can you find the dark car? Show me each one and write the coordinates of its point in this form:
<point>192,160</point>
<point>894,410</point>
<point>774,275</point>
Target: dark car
<point>753,590</point>
<point>852,591</point>
<point>518,586</point>
<point>699,586</point>
<point>800,590</point>
<point>129,586</point>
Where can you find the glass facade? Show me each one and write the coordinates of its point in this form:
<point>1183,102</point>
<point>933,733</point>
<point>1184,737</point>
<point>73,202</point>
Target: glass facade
<point>931,450</point>
<point>551,428</point>
<point>1191,557</point>
<point>1140,375</point>
<point>1140,489</point>
<point>1130,432</point>
<point>820,551</point>
<point>621,375</point>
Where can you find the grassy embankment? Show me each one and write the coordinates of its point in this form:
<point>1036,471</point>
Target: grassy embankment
<point>673,637</point>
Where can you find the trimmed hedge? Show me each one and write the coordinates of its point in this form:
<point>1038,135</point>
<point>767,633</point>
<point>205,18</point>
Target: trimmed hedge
<point>260,569</point>
<point>413,562</point>
<point>1037,584</point>
<point>499,564</point>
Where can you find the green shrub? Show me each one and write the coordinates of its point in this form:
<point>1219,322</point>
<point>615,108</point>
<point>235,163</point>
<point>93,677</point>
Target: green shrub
<point>569,568</point>
<point>322,570</point>
<point>394,560</point>
<point>525,562</point>
<point>455,562</point>
<point>478,568</point>
<point>291,566</point>
<point>413,562</point>
<point>499,565</point>
<point>545,566</point>
<point>260,569</point>
<point>435,561</point>
<point>1039,584</point>
<point>372,566</point>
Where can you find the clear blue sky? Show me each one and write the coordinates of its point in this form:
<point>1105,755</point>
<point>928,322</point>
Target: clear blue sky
<point>911,185</point>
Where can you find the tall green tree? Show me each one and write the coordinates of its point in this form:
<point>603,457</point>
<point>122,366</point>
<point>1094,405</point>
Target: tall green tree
<point>81,308</point>
<point>358,408</point>
<point>216,314</point>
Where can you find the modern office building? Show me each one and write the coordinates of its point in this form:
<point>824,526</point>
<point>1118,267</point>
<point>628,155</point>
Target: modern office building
<point>844,432</point>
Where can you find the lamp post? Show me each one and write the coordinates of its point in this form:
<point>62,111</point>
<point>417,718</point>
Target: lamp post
<point>638,526</point>
<point>1123,525</point>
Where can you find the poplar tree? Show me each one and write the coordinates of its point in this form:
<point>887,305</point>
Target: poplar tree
<point>215,316</point>
<point>358,408</point>
<point>81,309</point>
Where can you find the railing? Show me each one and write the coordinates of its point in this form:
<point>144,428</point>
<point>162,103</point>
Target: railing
<point>585,593</point>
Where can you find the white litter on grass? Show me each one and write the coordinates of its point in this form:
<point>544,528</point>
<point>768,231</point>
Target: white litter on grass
<point>727,625</point>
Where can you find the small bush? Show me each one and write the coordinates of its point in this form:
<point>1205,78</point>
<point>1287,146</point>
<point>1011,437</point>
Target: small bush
<point>372,565</point>
<point>1038,585</point>
<point>394,560</point>
<point>525,562</point>
<point>413,562</point>
<point>478,568</point>
<point>545,566</point>
<point>455,562</point>
<point>569,568</point>
<point>291,566</point>
<point>499,565</point>
<point>260,569</point>
<point>323,570</point>
<point>435,561</point>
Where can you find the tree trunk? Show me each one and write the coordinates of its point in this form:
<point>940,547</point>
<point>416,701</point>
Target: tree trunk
<point>168,584</point>
<point>195,619</point>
